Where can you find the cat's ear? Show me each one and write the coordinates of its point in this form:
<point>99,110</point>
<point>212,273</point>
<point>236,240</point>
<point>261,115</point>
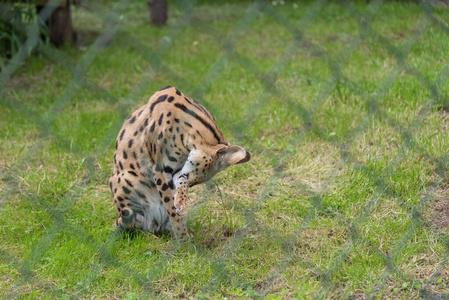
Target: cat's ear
<point>231,155</point>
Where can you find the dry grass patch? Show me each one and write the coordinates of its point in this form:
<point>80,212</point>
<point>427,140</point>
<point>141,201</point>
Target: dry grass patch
<point>312,240</point>
<point>437,213</point>
<point>314,165</point>
<point>378,142</point>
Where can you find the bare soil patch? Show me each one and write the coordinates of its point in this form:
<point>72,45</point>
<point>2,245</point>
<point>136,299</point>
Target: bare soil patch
<point>438,214</point>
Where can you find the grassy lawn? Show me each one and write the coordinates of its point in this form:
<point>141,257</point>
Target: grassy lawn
<point>344,108</point>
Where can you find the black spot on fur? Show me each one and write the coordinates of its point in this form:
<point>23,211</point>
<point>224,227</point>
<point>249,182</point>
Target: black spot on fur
<point>136,132</point>
<point>129,182</point>
<point>140,194</point>
<point>159,100</point>
<point>166,199</point>
<point>166,87</point>
<point>159,182</point>
<point>119,198</point>
<point>171,185</point>
<point>187,99</point>
<point>182,142</point>
<point>170,158</point>
<point>178,92</point>
<point>146,184</point>
<point>133,173</point>
<point>130,143</point>
<point>170,99</point>
<point>152,127</point>
<point>188,124</point>
<point>121,134</point>
<point>126,190</point>
<point>169,114</point>
<point>160,119</point>
<point>159,136</point>
<point>167,169</point>
<point>133,119</point>
<point>120,165</point>
<point>164,187</point>
<point>125,155</point>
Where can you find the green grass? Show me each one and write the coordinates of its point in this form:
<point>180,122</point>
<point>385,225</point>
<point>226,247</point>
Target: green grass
<point>349,147</point>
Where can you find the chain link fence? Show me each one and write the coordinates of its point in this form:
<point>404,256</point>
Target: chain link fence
<point>110,14</point>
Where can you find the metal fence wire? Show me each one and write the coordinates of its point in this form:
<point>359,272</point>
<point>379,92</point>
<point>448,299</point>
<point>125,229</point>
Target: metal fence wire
<point>156,57</point>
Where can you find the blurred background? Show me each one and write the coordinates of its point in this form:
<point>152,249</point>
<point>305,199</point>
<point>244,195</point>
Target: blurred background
<point>343,105</point>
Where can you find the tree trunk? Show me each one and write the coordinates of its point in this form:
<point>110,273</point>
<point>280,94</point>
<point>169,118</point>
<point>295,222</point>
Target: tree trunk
<point>60,29</point>
<point>158,12</point>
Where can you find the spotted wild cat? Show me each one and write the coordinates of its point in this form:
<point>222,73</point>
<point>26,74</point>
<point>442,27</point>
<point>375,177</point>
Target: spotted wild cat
<point>166,146</point>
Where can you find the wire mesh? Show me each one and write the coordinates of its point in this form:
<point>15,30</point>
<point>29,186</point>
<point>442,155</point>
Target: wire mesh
<point>228,41</point>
